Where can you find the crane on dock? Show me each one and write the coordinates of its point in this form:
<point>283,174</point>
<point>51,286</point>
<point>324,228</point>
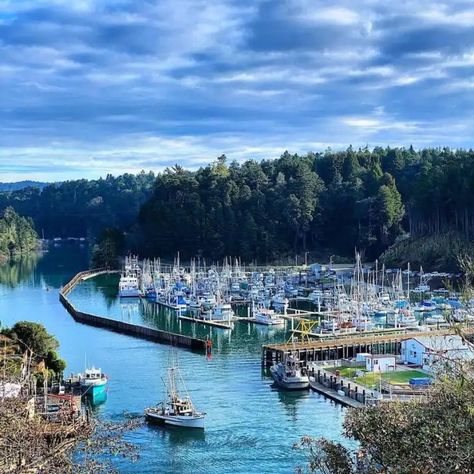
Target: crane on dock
<point>304,328</point>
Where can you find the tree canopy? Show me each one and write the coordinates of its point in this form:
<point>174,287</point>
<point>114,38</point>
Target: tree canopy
<point>17,234</point>
<point>326,203</point>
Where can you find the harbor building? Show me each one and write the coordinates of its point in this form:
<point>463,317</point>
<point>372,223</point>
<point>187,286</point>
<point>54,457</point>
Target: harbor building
<point>428,351</point>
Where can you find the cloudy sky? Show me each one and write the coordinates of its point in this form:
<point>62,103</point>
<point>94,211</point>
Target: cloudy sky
<point>95,86</point>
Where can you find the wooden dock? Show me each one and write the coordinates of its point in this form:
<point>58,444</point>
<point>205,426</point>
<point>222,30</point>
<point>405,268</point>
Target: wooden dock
<point>135,330</point>
<point>333,395</point>
<point>208,322</point>
<point>332,348</point>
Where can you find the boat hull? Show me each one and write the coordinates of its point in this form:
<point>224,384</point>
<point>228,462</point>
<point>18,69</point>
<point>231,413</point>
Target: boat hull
<point>196,422</point>
<point>289,385</point>
<point>270,322</point>
<point>129,293</point>
<point>96,393</point>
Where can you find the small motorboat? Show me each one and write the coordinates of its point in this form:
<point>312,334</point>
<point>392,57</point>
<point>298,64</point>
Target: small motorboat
<point>268,317</point>
<point>290,374</point>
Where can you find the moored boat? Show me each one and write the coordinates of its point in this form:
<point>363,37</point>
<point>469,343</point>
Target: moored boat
<point>93,383</point>
<point>290,374</point>
<point>268,317</point>
<point>176,409</point>
<point>128,287</point>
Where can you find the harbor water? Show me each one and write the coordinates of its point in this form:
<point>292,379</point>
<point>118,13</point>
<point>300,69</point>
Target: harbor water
<point>250,426</point>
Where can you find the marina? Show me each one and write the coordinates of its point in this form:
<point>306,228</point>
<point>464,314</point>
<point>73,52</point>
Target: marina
<point>287,365</point>
<point>135,367</point>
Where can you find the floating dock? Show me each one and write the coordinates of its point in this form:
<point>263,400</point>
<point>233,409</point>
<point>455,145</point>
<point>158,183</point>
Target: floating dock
<point>208,322</point>
<point>334,395</point>
<point>135,330</point>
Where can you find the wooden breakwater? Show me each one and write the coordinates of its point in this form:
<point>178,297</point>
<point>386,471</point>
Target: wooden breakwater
<point>135,330</point>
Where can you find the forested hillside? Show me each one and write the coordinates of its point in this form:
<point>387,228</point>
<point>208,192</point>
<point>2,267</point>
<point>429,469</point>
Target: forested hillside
<point>326,203</point>
<point>333,200</point>
<point>21,185</point>
<point>82,207</point>
<point>17,234</point>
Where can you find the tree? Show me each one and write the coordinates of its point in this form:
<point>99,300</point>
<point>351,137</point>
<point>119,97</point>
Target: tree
<point>107,249</point>
<point>17,234</point>
<point>34,337</point>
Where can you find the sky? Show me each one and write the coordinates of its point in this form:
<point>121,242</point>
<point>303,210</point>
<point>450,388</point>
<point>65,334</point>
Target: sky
<point>90,87</point>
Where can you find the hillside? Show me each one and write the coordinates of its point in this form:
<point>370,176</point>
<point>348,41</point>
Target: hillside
<point>18,185</point>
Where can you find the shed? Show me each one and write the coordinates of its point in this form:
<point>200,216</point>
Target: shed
<point>361,356</point>
<point>380,362</point>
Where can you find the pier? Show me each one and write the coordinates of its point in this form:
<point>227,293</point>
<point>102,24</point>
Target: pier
<point>142,332</point>
<point>208,322</point>
<point>333,348</point>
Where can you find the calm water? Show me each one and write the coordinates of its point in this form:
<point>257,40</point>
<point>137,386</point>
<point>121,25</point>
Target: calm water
<point>251,427</point>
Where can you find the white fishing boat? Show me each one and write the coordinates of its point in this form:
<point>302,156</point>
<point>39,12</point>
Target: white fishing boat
<point>401,318</point>
<point>268,317</point>
<point>176,409</point>
<point>128,286</point>
<point>463,316</point>
<point>363,323</point>
<point>290,374</point>
<point>329,325</point>
<point>221,312</point>
<point>435,319</point>
<point>316,296</point>
<point>93,382</point>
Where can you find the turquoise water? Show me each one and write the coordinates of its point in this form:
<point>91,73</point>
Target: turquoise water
<point>250,427</point>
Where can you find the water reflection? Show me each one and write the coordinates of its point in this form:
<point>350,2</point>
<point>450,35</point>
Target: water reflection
<point>99,295</point>
<point>19,270</point>
<point>60,264</point>
<point>291,401</point>
<point>176,435</point>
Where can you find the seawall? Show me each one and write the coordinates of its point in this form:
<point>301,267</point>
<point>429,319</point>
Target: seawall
<point>135,330</point>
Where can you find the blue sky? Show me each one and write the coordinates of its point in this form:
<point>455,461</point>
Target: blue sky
<point>89,87</point>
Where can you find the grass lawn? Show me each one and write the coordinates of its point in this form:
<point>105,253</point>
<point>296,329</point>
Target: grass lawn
<point>348,372</point>
<point>403,376</point>
<point>372,380</point>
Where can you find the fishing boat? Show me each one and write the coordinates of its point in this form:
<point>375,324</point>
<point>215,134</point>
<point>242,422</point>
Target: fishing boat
<point>347,327</point>
<point>268,317</point>
<point>329,325</point>
<point>220,312</point>
<point>463,316</point>
<point>401,319</point>
<point>93,383</point>
<point>290,374</point>
<point>316,296</point>
<point>363,323</point>
<point>280,302</point>
<point>176,409</point>
<point>128,287</point>
<point>435,319</point>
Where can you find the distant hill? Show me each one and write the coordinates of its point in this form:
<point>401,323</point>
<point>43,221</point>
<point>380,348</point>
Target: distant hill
<point>21,185</point>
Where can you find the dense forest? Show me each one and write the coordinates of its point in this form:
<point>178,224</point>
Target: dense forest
<point>332,201</point>
<point>324,203</point>
<point>17,234</point>
<point>82,208</point>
